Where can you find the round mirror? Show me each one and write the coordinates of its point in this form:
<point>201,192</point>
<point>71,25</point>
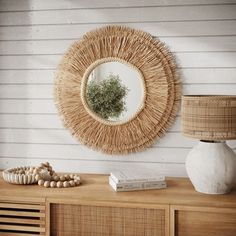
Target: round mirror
<point>141,76</point>
<point>114,91</point>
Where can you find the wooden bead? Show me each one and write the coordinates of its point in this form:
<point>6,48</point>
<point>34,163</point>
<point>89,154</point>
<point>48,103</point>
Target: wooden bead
<point>77,182</point>
<point>59,184</point>
<point>62,178</point>
<point>53,184</point>
<point>46,184</point>
<point>72,183</point>
<point>56,178</point>
<point>72,176</point>
<point>65,184</point>
<point>67,177</point>
<point>54,174</point>
<point>41,182</point>
<point>77,177</point>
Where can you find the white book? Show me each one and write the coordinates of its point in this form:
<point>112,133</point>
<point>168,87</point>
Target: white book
<point>126,176</point>
<point>137,186</point>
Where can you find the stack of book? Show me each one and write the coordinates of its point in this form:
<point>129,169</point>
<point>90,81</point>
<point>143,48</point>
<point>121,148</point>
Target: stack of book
<point>126,181</point>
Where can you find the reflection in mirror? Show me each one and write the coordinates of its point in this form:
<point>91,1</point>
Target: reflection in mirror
<point>114,91</point>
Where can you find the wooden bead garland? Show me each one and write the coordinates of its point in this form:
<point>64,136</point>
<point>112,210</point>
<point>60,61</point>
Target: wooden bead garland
<point>49,178</point>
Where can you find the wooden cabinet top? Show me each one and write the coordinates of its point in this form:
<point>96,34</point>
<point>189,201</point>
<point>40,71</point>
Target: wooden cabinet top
<point>96,188</point>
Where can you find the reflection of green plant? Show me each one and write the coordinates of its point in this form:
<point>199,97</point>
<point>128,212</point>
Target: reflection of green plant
<point>106,97</point>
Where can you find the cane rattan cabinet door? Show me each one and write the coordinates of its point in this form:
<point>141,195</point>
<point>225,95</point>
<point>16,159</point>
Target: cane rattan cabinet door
<point>91,220</point>
<point>203,221</point>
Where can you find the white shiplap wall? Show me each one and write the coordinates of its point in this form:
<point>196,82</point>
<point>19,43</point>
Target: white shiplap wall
<point>34,34</point>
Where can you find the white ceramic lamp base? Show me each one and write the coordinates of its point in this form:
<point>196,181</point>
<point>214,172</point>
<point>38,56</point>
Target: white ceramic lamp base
<point>211,167</point>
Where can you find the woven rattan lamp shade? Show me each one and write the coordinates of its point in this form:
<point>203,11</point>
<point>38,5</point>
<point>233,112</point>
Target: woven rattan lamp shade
<point>210,117</point>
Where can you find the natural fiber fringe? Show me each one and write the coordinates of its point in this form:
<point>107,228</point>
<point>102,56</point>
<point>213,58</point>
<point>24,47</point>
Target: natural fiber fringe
<point>163,89</point>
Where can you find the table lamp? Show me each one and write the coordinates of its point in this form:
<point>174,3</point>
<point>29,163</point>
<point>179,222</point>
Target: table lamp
<point>211,164</point>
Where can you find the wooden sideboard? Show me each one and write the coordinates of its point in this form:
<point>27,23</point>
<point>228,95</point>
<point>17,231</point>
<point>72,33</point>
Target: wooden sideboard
<point>94,209</point>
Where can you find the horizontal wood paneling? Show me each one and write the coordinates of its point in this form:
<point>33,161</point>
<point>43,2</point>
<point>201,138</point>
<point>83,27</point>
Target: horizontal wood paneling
<point>35,34</point>
<point>119,15</point>
<point>208,75</point>
<point>86,166</point>
<point>26,91</point>
<point>63,137</point>
<point>67,152</point>
<point>58,136</point>
<point>46,121</point>
<point>16,5</point>
<point>28,106</point>
<point>161,29</point>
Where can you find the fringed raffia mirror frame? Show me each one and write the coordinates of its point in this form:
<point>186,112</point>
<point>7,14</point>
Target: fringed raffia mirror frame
<point>162,89</point>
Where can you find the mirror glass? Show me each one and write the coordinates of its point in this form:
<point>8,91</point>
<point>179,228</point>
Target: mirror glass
<point>114,91</point>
